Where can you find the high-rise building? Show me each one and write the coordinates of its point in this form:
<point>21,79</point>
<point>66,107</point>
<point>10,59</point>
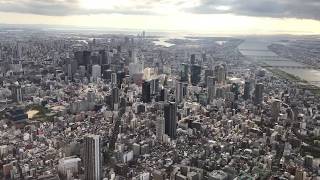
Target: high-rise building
<point>104,57</point>
<point>204,57</point>
<point>86,58</point>
<point>92,157</point>
<point>146,92</point>
<point>170,116</point>
<point>184,72</point>
<point>160,127</point>
<point>179,92</point>
<point>16,92</point>
<point>154,86</point>
<point>120,76</point>
<point>163,94</point>
<point>193,59</point>
<point>78,56</point>
<point>114,81</point>
<point>211,81</point>
<point>275,108</point>
<point>96,72</point>
<point>247,90</point>
<point>115,98</point>
<point>207,73</point>
<point>258,94</point>
<point>195,74</point>
<point>107,74</point>
<point>221,73</point>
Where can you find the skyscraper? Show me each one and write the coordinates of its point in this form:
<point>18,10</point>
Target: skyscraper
<point>193,59</point>
<point>154,86</point>
<point>170,116</point>
<point>96,72</point>
<point>207,73</point>
<point>115,98</point>
<point>221,73</point>
<point>92,159</point>
<point>179,92</point>
<point>184,72</point>
<point>258,94</point>
<point>195,74</point>
<point>86,58</point>
<point>78,56</point>
<point>163,94</point>
<point>211,81</point>
<point>120,76</point>
<point>247,90</point>
<point>146,92</point>
<point>16,92</point>
<point>275,108</point>
<point>114,81</point>
<point>160,128</point>
<point>104,57</point>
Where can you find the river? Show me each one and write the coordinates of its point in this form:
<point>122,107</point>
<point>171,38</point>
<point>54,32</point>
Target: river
<point>257,50</point>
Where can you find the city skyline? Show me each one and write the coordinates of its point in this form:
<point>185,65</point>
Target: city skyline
<point>196,16</point>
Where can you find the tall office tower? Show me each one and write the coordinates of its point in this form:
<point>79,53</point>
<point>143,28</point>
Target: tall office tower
<point>107,74</point>
<point>204,57</point>
<point>16,92</point>
<point>193,59</point>
<point>236,90</point>
<point>184,72</point>
<point>160,126</point>
<point>92,157</point>
<point>207,73</point>
<point>170,116</point>
<point>103,56</point>
<point>247,90</point>
<point>275,108</point>
<point>211,82</point>
<point>86,58</point>
<point>96,72</point>
<point>179,92</point>
<point>146,94</point>
<point>120,77</point>
<point>78,56</point>
<point>68,68</point>
<point>105,67</point>
<point>258,94</point>
<point>163,94</point>
<point>221,73</point>
<point>184,89</point>
<point>95,58</point>
<point>115,98</point>
<point>114,81</point>
<point>195,74</point>
<point>119,49</point>
<point>154,86</point>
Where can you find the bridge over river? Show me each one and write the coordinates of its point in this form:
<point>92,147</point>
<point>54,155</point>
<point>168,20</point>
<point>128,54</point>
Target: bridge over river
<point>290,67</point>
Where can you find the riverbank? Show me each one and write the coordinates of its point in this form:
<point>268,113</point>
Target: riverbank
<point>303,84</point>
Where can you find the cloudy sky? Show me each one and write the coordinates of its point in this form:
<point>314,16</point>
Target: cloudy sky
<point>197,16</point>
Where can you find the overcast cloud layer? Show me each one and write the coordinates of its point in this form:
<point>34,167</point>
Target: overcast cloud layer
<point>306,9</point>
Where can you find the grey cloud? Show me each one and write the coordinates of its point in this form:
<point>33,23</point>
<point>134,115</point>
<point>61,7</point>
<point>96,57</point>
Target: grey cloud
<point>307,9</point>
<point>61,8</point>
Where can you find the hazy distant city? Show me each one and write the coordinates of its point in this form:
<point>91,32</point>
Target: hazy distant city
<point>159,90</point>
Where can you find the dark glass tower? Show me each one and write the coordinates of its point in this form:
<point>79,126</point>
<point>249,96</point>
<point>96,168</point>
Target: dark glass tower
<point>258,94</point>
<point>170,116</point>
<point>195,74</point>
<point>146,92</point>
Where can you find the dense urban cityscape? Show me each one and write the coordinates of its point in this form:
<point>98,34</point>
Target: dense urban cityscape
<point>93,105</point>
